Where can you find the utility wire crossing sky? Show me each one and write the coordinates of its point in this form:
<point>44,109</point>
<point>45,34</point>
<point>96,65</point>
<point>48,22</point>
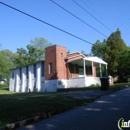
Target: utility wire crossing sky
<point>92,16</point>
<point>83,21</point>
<point>44,22</point>
<point>79,18</point>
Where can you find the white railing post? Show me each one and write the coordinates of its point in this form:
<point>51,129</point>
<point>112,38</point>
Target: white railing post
<point>100,70</point>
<point>92,69</point>
<point>106,71</point>
<point>84,68</point>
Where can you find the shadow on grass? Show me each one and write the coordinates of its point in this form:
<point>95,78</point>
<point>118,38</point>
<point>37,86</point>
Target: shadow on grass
<point>19,106</point>
<point>103,114</point>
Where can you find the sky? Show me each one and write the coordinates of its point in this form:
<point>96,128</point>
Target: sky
<point>16,29</point>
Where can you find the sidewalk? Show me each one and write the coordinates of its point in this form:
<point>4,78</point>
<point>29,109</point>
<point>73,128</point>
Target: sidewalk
<point>103,114</point>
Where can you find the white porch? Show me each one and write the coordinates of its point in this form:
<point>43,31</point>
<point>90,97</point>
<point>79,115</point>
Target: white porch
<point>87,74</point>
<point>82,82</point>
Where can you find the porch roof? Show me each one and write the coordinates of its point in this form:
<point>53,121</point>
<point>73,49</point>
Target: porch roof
<point>78,57</point>
<point>95,59</point>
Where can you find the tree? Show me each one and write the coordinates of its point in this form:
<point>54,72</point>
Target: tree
<point>98,48</point>
<point>6,63</point>
<point>21,57</point>
<point>68,52</point>
<point>83,52</point>
<point>35,51</point>
<point>2,65</point>
<point>39,45</point>
<point>124,64</point>
<point>114,48</point>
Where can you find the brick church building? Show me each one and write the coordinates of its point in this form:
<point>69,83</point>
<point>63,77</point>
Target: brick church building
<point>58,70</point>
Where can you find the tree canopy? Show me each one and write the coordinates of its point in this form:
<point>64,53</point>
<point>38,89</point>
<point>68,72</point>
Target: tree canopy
<point>39,45</point>
<point>114,48</point>
<point>83,52</point>
<point>35,51</point>
<point>124,64</point>
<point>98,48</point>
<point>6,63</point>
<point>115,52</point>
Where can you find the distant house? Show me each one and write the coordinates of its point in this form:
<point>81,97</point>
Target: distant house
<point>2,80</point>
<point>58,70</point>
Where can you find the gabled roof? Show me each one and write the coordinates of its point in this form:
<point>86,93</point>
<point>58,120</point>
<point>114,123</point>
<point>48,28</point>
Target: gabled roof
<point>74,56</point>
<point>77,56</point>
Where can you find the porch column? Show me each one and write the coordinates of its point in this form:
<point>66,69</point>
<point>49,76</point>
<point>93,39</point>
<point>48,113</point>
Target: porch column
<point>100,70</point>
<point>92,69</point>
<point>106,71</point>
<point>84,68</point>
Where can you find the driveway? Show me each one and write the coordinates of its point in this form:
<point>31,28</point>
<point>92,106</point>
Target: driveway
<point>103,114</point>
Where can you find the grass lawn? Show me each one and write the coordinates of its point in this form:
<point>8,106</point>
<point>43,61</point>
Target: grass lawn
<point>18,106</point>
<point>118,86</point>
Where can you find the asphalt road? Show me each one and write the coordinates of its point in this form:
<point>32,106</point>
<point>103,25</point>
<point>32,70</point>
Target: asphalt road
<point>103,114</point>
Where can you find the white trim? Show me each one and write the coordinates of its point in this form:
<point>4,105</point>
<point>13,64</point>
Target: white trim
<point>77,52</point>
<point>106,71</point>
<point>100,70</point>
<point>84,67</point>
<point>73,52</point>
<point>95,59</point>
<point>92,69</point>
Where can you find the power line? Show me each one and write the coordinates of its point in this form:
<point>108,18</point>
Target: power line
<point>100,15</point>
<point>113,13</point>
<point>91,8</point>
<point>45,23</point>
<point>78,18</point>
<point>92,15</point>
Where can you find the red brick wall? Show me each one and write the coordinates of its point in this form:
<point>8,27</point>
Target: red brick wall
<point>72,55</point>
<point>60,62</point>
<point>50,57</point>
<point>55,55</point>
<point>94,71</point>
<point>70,73</point>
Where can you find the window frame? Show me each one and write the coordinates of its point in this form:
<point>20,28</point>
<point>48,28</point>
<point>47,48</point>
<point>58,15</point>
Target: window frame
<point>20,73</point>
<point>42,69</point>
<point>26,72</point>
<point>50,68</point>
<point>12,75</point>
<point>34,70</point>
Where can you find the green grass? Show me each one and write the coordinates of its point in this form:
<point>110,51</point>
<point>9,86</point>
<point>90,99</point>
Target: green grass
<point>118,86</point>
<point>92,87</point>
<point>18,106</point>
<point>114,87</point>
<point>16,109</point>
